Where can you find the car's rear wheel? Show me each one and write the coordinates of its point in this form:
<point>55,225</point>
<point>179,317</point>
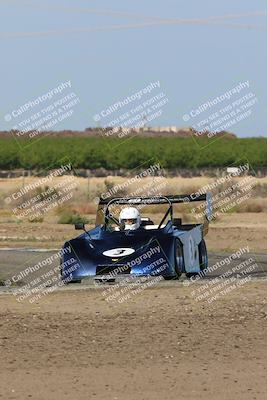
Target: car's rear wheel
<point>203,255</point>
<point>203,259</point>
<point>179,258</point>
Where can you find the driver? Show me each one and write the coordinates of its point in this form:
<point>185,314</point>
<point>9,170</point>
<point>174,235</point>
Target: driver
<point>130,217</point>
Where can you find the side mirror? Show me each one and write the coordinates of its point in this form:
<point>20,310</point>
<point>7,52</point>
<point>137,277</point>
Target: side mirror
<point>79,226</point>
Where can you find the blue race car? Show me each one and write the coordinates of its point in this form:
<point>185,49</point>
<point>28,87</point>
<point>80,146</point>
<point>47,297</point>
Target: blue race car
<point>168,249</point>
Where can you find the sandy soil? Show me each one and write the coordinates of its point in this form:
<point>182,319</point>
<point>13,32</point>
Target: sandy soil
<point>161,344</point>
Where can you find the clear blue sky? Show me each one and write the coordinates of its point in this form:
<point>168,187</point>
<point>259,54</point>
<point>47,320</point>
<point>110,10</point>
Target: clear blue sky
<point>193,62</point>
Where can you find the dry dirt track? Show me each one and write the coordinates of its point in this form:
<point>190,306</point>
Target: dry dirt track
<point>161,344</point>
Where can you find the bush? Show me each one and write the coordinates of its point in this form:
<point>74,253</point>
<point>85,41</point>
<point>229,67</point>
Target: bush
<point>70,217</point>
<point>110,186</point>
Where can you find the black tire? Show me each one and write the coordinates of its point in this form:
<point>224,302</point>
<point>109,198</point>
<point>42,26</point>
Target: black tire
<point>178,260</point>
<point>61,268</point>
<point>203,255</point>
<point>74,281</point>
<point>203,259</point>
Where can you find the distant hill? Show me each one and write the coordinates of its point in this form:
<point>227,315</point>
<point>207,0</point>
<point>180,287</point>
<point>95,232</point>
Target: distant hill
<point>146,132</point>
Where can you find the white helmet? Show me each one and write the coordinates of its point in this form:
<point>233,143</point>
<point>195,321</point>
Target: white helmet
<point>130,216</point>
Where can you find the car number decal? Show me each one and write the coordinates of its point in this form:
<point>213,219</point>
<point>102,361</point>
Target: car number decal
<point>119,252</point>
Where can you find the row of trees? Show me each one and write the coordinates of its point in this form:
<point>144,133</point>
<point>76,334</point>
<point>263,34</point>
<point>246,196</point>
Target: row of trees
<point>94,152</point>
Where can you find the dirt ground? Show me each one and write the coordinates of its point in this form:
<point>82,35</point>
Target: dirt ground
<point>161,344</point>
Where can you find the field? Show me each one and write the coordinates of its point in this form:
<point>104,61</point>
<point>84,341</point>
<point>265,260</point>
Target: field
<point>112,153</point>
<point>245,223</point>
<point>162,344</point>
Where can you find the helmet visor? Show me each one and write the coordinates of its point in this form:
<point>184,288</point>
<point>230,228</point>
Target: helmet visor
<point>130,221</point>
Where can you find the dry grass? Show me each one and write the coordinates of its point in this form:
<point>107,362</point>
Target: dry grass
<point>87,190</point>
<point>253,206</point>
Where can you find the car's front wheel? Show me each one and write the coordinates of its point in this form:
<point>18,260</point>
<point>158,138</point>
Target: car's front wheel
<point>179,258</point>
<point>178,261</point>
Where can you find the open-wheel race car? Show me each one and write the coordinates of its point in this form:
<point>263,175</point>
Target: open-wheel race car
<point>168,248</point>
